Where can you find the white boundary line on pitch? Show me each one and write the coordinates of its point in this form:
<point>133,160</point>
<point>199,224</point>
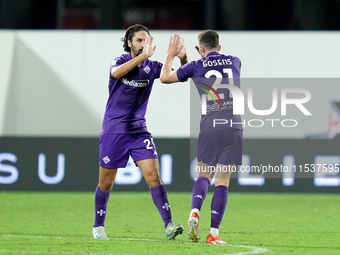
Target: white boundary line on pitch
<point>254,249</point>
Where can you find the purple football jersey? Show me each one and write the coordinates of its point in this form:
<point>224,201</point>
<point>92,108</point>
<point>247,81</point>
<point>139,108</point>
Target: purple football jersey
<point>210,75</point>
<point>129,96</point>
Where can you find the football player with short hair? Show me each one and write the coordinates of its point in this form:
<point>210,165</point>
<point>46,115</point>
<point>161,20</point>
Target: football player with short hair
<point>219,146</point>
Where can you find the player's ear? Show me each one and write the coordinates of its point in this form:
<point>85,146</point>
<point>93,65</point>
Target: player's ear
<point>202,48</point>
<point>129,43</point>
<point>219,47</point>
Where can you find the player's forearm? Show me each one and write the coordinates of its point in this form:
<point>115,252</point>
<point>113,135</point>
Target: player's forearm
<point>166,69</point>
<point>123,69</point>
<point>168,75</point>
<point>184,60</point>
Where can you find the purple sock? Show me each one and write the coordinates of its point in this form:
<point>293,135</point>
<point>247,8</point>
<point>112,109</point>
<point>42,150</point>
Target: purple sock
<point>199,192</point>
<point>160,199</point>
<point>218,205</point>
<point>100,203</point>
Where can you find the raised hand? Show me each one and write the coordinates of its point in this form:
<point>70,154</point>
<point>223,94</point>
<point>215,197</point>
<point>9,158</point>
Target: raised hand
<point>148,50</point>
<point>183,53</point>
<point>175,46</point>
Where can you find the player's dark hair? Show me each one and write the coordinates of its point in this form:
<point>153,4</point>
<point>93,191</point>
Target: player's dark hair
<point>130,33</point>
<point>209,39</point>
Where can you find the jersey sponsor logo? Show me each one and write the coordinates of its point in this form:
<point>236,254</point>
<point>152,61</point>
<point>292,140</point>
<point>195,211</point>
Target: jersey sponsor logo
<point>147,69</point>
<point>106,159</point>
<point>228,105</point>
<point>136,83</point>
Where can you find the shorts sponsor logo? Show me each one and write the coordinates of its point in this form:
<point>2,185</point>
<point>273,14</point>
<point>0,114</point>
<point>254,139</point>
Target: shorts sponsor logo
<point>106,159</point>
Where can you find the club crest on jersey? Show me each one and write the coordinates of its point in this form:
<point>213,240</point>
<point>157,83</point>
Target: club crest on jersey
<point>106,159</point>
<point>147,69</point>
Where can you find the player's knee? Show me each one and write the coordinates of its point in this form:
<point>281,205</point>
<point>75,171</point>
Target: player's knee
<point>206,175</point>
<point>222,182</point>
<point>106,185</point>
<point>152,176</point>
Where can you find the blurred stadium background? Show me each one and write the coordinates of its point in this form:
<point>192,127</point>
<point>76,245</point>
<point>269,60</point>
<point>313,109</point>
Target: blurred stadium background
<point>176,14</point>
<point>54,60</point>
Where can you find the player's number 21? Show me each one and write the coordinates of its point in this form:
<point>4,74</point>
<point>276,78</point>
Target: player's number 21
<point>217,84</point>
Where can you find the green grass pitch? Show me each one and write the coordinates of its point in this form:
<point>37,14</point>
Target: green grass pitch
<point>61,223</point>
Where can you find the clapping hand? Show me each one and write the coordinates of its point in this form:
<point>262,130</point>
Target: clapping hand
<point>175,47</point>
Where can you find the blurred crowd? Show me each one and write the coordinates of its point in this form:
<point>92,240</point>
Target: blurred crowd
<point>175,14</point>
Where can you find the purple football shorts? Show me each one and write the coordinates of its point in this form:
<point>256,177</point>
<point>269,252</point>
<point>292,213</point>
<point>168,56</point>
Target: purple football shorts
<point>115,149</point>
<point>221,147</point>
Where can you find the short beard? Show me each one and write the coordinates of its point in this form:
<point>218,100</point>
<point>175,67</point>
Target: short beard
<point>137,53</point>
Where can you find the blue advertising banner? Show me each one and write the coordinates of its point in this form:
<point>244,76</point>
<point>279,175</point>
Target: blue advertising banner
<point>71,164</point>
